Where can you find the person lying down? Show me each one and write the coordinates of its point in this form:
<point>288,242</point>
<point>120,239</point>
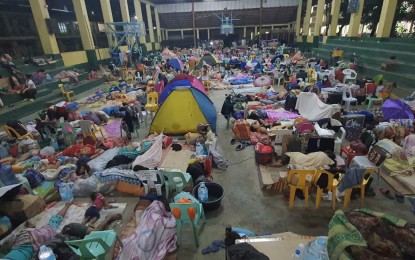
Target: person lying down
<point>316,160</point>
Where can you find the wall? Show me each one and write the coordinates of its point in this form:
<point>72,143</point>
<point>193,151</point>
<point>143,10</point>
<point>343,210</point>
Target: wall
<point>220,6</point>
<point>103,53</point>
<point>74,58</point>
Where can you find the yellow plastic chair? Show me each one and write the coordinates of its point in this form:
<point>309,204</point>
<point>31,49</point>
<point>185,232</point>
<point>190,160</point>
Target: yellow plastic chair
<point>130,75</point>
<point>331,186</point>
<point>152,102</point>
<point>302,184</point>
<point>65,93</point>
<point>90,129</point>
<point>14,134</point>
<point>367,175</point>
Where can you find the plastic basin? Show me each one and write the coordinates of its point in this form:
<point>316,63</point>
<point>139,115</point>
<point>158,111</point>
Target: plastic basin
<point>215,193</point>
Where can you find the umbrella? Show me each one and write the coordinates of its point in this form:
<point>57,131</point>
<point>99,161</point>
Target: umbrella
<point>396,109</point>
<point>262,81</point>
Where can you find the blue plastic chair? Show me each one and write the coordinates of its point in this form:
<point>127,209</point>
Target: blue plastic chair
<point>186,219</point>
<point>96,245</point>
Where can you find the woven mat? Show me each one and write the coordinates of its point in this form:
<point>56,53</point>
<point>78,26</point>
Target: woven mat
<point>394,183</point>
<point>176,160</point>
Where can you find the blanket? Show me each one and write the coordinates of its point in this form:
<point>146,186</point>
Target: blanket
<point>154,237</point>
<point>279,114</point>
<point>152,157</point>
<point>113,128</point>
<point>353,177</point>
<point>367,234</point>
<point>312,108</point>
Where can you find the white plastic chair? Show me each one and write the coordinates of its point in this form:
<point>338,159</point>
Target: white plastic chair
<point>348,100</point>
<point>148,177</point>
<point>138,77</point>
<point>278,76</point>
<point>339,141</point>
<point>349,75</point>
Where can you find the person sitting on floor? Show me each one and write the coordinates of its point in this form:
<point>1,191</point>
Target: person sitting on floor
<point>14,85</point>
<point>7,63</point>
<point>29,91</point>
<point>325,83</point>
<point>39,77</point>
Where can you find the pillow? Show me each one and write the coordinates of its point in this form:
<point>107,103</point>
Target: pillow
<point>128,188</point>
<point>98,164</point>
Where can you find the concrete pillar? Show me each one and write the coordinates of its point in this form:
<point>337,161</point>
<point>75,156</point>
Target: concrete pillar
<point>319,17</point>
<point>182,34</point>
<point>208,32</point>
<point>107,14</point>
<point>244,32</point>
<point>157,25</point>
<point>306,22</point>
<point>255,31</point>
<point>150,23</point>
<point>386,18</point>
<point>298,21</point>
<point>125,13</point>
<point>355,19</point>
<point>167,34</point>
<point>83,23</point>
<point>40,13</point>
<point>139,15</point>
<point>334,12</point>
<point>197,34</point>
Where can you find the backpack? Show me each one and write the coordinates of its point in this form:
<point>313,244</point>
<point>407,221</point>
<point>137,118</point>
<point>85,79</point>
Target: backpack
<point>34,178</point>
<point>353,130</point>
<point>18,127</point>
<point>290,102</point>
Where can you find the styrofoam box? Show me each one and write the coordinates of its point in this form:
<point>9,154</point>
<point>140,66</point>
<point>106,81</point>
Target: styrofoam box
<point>279,134</point>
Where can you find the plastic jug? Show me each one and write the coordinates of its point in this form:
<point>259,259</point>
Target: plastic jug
<point>203,192</point>
<point>65,190</point>
<point>298,254</point>
<point>46,253</point>
<point>54,144</point>
<point>316,250</point>
<point>3,150</point>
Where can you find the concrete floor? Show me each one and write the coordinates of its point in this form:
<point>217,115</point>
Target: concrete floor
<point>246,205</point>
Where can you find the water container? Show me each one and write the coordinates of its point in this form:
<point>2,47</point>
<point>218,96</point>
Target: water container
<point>46,253</point>
<point>316,250</point>
<point>3,150</point>
<point>203,192</point>
<point>298,254</point>
<point>54,144</point>
<point>65,190</point>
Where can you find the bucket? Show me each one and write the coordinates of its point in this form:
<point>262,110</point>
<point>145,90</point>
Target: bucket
<point>215,195</point>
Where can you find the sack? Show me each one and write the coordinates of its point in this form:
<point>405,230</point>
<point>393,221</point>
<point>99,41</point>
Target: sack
<point>167,141</point>
<point>241,130</point>
<point>353,130</point>
<point>303,127</point>
<point>18,127</point>
<point>358,147</point>
<point>290,102</point>
<point>218,160</point>
<point>377,155</point>
<point>34,178</point>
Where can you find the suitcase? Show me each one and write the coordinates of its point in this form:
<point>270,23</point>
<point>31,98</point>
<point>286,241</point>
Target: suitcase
<point>335,98</point>
<point>290,102</point>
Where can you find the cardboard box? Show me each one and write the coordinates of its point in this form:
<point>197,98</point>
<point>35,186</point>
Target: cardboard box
<point>24,207</point>
<point>279,134</point>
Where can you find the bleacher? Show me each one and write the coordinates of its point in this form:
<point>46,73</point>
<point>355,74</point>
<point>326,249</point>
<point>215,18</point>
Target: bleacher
<point>375,53</point>
<point>47,93</point>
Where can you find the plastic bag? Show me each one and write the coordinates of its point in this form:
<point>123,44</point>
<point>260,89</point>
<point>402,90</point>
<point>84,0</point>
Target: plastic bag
<point>200,150</point>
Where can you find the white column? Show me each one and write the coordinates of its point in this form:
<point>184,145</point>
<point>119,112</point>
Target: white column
<point>208,31</point>
<point>197,34</point>
<point>182,34</point>
<point>245,32</point>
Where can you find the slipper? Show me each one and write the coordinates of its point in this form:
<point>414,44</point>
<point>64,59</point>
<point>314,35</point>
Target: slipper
<point>210,249</point>
<point>386,193</point>
<point>233,141</point>
<point>218,243</point>
<point>399,197</point>
<point>240,147</point>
